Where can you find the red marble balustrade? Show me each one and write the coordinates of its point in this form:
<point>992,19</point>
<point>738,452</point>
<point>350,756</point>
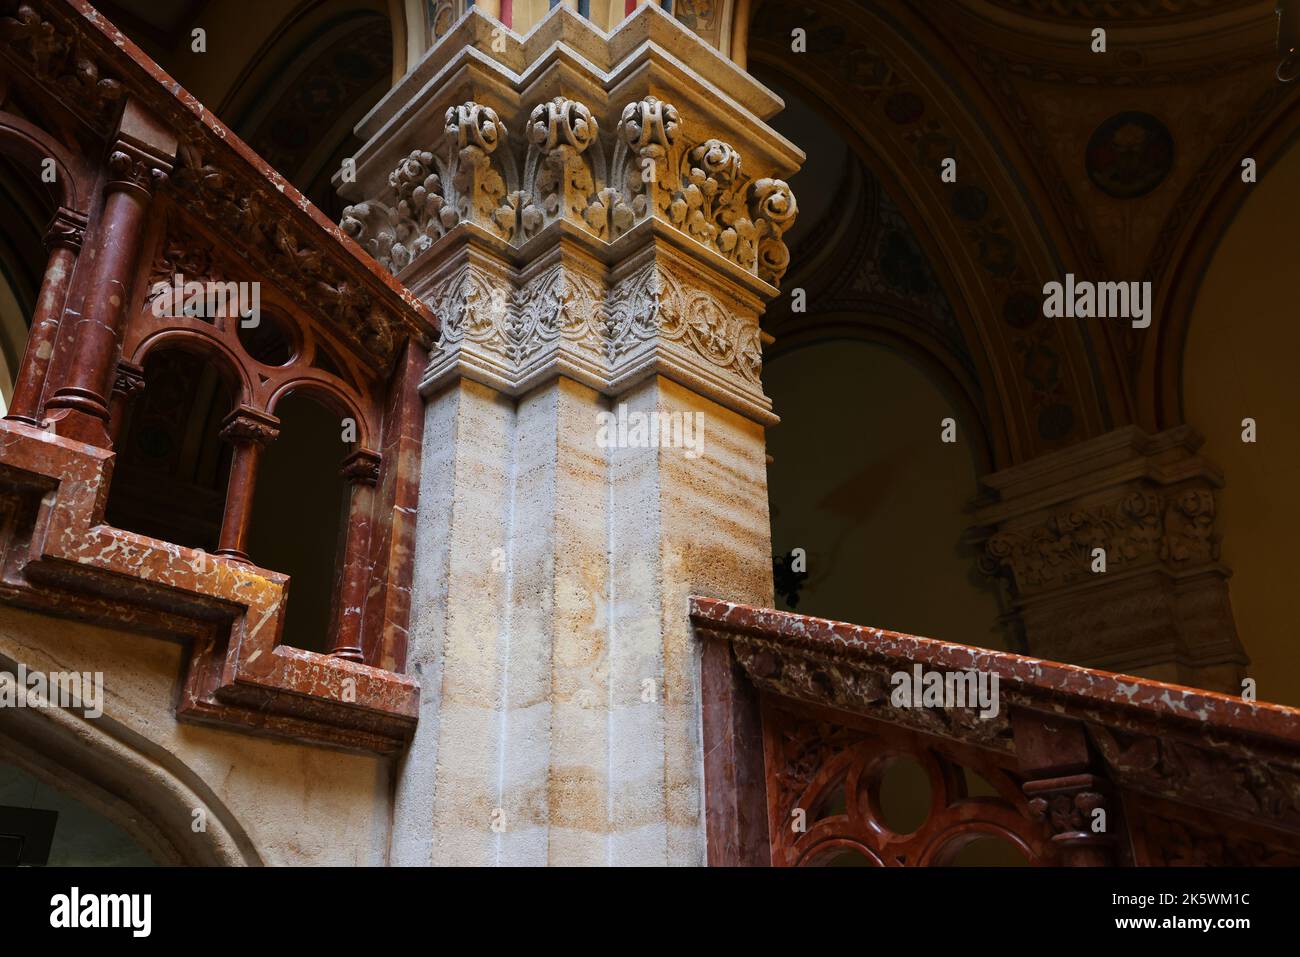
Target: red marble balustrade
<point>803,716</point>
<point>151,187</point>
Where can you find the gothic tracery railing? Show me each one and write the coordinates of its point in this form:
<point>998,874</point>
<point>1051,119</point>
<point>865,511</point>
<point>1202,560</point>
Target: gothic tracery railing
<point>803,717</point>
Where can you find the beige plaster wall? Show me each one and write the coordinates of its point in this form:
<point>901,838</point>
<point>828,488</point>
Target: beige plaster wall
<point>295,804</point>
<point>1240,361</point>
<point>861,482</point>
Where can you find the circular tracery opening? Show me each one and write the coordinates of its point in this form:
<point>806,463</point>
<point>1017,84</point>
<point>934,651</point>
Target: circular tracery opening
<point>900,795</point>
<point>266,339</point>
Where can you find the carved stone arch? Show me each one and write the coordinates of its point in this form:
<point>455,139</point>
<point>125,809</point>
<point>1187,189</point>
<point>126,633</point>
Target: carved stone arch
<point>313,384</point>
<point>27,143</point>
<point>198,339</point>
<point>134,782</point>
<point>994,245</point>
<point>308,86</point>
<point>1218,194</point>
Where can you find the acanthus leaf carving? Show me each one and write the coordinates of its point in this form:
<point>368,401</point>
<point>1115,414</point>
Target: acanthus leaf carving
<point>701,190</point>
<point>1142,525</point>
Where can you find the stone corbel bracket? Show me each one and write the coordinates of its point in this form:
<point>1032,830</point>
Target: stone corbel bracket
<point>603,206</point>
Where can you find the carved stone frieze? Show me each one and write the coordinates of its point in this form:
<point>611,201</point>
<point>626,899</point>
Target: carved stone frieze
<point>514,325</point>
<point>1221,774</point>
<point>653,303</point>
<point>1108,554</point>
<point>608,327</point>
<point>859,686</point>
<point>58,57</point>
<point>1143,525</point>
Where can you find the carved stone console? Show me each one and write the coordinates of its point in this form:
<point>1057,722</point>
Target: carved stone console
<point>596,220</point>
<point>1160,607</point>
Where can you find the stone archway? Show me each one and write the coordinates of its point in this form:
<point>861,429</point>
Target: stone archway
<point>134,783</point>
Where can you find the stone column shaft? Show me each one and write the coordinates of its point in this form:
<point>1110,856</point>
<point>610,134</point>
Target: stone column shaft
<point>594,451</point>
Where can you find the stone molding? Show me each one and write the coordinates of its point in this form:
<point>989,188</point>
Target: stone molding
<point>1238,758</point>
<point>604,206</point>
<point>1146,500</point>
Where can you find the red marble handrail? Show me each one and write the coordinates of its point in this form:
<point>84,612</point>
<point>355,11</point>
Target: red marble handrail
<point>1091,767</point>
<point>1058,685</point>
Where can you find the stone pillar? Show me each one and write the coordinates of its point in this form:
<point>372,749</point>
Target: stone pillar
<point>249,431</point>
<point>1160,608</point>
<point>63,239</point>
<point>139,159</point>
<point>596,220</point>
<point>361,469</point>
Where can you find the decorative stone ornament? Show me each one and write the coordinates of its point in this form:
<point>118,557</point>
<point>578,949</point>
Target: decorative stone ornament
<point>596,220</point>
<point>565,194</point>
<point>701,191</point>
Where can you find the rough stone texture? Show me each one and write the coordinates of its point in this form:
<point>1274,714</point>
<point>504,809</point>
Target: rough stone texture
<point>266,802</point>
<point>535,659</point>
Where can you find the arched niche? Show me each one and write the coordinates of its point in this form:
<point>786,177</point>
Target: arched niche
<point>170,477</point>
<point>300,513</point>
<point>863,483</point>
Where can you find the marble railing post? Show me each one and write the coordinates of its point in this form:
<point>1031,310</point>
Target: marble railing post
<point>599,236</point>
<point>1076,804</point>
<point>362,473</point>
<point>140,158</point>
<point>249,431</point>
<point>63,239</point>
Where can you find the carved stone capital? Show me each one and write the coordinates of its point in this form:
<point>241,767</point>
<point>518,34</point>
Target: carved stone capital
<point>128,379</point>
<point>581,207</point>
<point>247,424</point>
<point>361,467</point>
<point>626,133</point>
<point>1069,806</point>
<point>134,170</point>
<point>67,228</point>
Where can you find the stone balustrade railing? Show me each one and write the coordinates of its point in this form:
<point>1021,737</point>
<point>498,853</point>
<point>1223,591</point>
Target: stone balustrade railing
<point>804,716</point>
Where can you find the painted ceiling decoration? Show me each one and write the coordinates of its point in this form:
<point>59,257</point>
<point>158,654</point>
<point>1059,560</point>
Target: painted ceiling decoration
<point>1071,169</point>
